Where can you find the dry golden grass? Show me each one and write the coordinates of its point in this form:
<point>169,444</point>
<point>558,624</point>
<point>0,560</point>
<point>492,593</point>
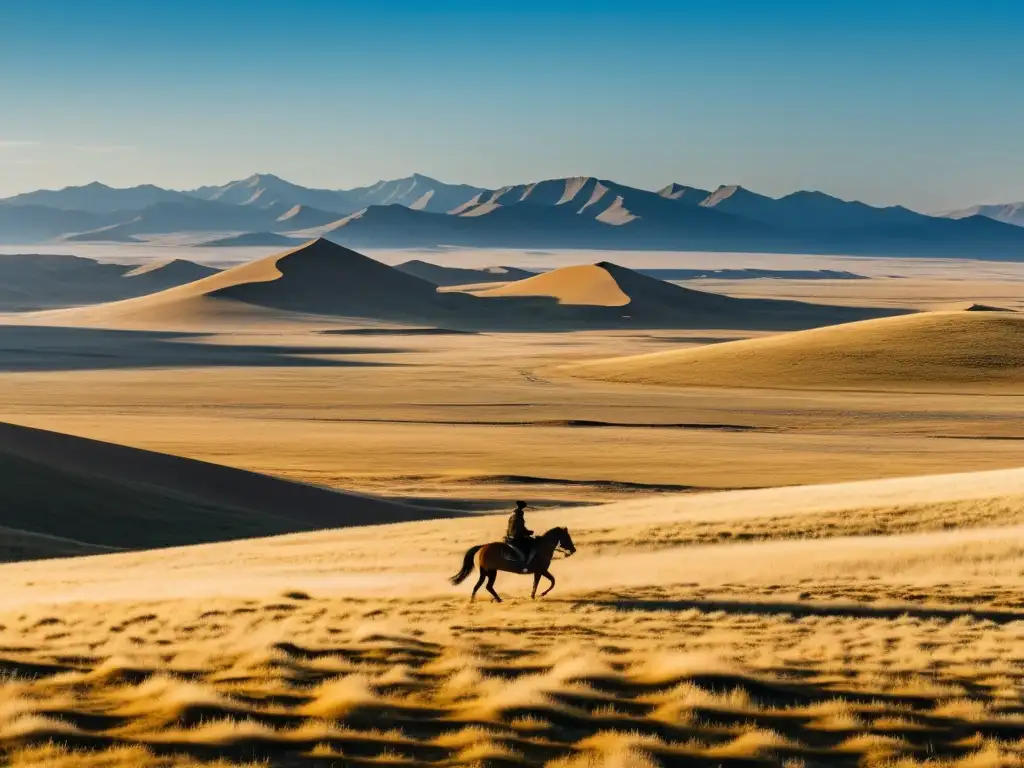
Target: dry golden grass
<point>900,648</point>
<point>935,350</point>
<point>468,417</point>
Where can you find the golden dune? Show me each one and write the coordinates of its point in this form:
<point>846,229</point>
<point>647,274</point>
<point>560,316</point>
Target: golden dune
<point>588,285</point>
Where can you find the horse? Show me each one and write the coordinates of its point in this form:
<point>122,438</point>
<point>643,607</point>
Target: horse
<point>498,556</point>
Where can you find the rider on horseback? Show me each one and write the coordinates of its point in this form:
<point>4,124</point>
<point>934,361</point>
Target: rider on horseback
<point>520,538</point>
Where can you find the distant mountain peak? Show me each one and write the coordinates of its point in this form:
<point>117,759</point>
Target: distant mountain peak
<point>676,191</point>
<point>263,179</point>
<point>735,193</point>
<point>812,194</point>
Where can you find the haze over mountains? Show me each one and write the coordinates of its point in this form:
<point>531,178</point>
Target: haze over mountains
<point>1008,213</point>
<point>576,212</point>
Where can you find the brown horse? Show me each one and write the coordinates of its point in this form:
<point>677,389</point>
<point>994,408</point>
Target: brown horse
<point>491,558</point>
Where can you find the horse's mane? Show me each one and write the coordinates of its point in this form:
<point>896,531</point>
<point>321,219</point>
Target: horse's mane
<point>557,528</point>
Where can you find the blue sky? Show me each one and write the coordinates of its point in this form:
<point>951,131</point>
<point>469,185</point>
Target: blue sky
<point>905,101</point>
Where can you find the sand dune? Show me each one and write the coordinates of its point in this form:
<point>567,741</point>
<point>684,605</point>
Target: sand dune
<point>318,278</point>
<point>591,285</point>
<point>69,495</point>
<point>607,293</point>
<point>322,279</point>
<point>934,350</point>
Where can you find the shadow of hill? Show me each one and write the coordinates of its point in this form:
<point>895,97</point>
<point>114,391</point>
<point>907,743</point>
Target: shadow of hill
<point>109,495</point>
<point>542,313</point>
<point>47,348</point>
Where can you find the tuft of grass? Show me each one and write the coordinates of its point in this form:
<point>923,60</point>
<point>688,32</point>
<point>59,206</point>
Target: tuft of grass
<point>753,743</point>
<point>337,697</point>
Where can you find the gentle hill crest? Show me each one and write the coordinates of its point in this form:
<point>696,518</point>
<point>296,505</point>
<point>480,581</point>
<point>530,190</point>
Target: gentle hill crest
<point>971,350</point>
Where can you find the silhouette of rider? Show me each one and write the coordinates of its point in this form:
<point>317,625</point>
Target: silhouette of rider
<point>519,537</point>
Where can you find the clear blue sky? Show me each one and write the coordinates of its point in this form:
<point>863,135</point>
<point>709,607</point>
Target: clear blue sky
<point>903,101</point>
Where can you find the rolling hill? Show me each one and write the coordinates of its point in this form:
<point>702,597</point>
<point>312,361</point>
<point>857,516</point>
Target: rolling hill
<point>42,281</point>
<point>967,350</point>
<point>69,495</point>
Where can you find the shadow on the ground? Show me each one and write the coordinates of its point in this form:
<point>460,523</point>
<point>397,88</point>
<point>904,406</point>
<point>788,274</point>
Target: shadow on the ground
<point>44,348</point>
<point>801,609</point>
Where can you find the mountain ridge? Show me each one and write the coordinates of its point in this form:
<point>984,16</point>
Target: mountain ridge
<point>565,212</point>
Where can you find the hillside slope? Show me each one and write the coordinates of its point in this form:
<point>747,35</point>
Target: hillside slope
<point>70,495</point>
<point>930,351</point>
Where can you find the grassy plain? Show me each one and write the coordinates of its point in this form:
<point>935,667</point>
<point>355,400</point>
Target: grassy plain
<point>857,604</point>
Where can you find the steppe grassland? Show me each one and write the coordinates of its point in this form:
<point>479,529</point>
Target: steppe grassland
<point>877,624</point>
<point>348,645</point>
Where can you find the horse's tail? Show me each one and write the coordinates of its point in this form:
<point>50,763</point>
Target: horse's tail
<point>467,564</point>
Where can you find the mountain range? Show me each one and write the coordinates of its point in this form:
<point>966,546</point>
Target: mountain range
<point>574,212</point>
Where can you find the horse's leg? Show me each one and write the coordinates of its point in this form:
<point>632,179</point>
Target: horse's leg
<point>536,581</point>
<point>479,583</point>
<point>491,576</point>
<point>547,575</point>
